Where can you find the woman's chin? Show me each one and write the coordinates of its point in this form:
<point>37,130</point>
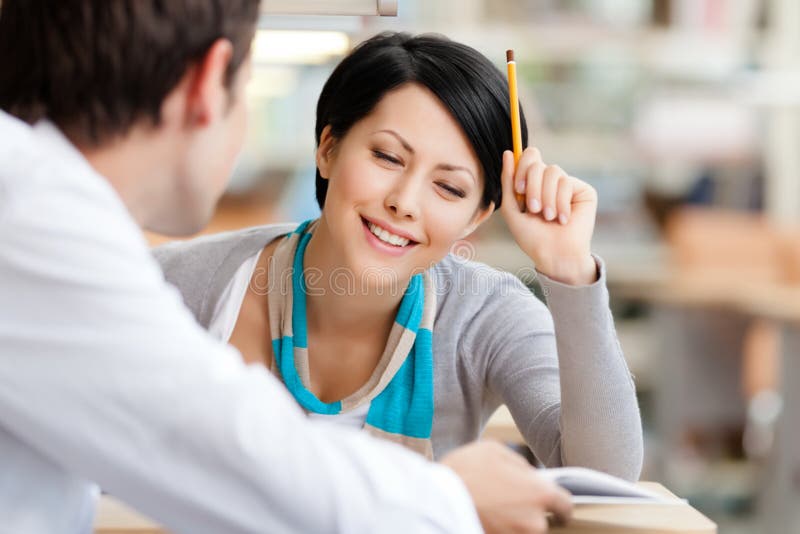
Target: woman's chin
<point>370,277</point>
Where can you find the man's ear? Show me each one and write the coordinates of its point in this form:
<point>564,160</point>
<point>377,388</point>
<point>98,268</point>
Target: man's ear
<point>480,216</point>
<point>325,151</point>
<point>208,95</point>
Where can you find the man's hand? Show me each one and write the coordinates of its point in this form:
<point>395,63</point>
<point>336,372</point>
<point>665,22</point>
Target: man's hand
<point>508,493</point>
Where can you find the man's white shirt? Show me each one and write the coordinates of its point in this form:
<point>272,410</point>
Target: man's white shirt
<point>105,378</point>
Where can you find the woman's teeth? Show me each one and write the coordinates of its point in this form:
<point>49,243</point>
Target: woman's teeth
<point>387,237</point>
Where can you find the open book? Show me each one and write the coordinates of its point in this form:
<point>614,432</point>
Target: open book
<point>588,486</point>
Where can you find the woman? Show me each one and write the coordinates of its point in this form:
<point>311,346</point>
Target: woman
<point>371,323</point>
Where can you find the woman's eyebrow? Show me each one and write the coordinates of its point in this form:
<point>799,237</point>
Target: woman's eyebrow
<point>443,166</point>
<point>449,167</point>
<point>399,138</point>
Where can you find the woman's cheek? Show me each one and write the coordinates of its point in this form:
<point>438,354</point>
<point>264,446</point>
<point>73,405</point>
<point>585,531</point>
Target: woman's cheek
<point>361,182</point>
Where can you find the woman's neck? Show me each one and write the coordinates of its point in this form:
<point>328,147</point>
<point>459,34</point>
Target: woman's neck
<point>345,309</point>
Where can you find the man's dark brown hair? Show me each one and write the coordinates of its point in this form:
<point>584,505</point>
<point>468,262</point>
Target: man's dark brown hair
<point>96,67</point>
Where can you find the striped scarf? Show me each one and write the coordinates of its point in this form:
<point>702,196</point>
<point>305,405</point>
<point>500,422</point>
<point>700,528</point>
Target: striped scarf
<point>400,390</point>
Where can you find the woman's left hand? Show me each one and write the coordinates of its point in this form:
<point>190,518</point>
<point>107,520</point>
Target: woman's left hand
<point>555,228</point>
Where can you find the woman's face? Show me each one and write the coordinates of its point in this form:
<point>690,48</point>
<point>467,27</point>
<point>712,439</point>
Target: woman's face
<point>404,185</point>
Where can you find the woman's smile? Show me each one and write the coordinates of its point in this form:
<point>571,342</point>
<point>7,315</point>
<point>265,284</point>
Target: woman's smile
<point>385,240</point>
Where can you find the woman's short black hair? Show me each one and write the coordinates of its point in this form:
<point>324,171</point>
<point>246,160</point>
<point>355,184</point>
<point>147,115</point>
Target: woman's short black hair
<point>466,82</point>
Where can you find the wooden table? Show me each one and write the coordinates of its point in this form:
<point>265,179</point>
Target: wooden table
<point>115,518</point>
<point>501,427</point>
<point>638,519</point>
<point>744,300</point>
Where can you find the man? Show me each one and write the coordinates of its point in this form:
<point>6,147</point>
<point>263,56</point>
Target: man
<point>138,107</point>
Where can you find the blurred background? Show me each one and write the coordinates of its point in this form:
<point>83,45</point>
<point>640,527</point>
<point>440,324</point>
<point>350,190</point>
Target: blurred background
<point>685,116</point>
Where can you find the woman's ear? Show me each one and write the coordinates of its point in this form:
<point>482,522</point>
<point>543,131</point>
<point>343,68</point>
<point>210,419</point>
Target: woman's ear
<point>325,151</point>
<point>480,216</point>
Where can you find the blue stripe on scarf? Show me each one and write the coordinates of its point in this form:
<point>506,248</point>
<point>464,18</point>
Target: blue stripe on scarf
<point>413,304</point>
<point>301,228</point>
<point>406,405</point>
<point>291,379</point>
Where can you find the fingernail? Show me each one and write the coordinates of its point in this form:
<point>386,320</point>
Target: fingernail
<point>535,205</point>
<point>562,219</point>
<point>549,214</point>
<point>520,187</point>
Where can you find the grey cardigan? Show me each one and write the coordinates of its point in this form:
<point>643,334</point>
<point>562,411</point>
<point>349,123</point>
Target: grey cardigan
<point>560,370</point>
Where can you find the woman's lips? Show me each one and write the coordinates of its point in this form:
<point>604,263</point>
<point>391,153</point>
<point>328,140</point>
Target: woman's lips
<point>382,246</point>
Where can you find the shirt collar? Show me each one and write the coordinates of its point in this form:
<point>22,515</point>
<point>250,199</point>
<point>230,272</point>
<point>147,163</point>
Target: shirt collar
<point>55,143</point>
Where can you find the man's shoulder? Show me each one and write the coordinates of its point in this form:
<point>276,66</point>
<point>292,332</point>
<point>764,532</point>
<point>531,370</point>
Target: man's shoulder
<point>16,143</point>
<point>12,130</point>
<point>39,160</point>
<point>19,161</point>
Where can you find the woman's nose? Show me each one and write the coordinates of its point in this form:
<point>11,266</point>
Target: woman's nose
<point>403,200</point>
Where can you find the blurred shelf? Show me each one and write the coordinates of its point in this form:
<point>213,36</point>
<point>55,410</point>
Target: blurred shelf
<point>330,7</point>
<point>678,53</point>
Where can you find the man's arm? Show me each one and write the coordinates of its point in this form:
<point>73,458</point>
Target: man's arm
<point>105,372</point>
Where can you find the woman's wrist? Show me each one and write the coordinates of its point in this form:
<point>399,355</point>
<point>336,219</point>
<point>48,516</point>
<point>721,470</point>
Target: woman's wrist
<point>573,271</point>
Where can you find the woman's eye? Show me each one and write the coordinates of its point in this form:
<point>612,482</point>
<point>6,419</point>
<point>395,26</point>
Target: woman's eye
<point>386,157</point>
<point>452,190</point>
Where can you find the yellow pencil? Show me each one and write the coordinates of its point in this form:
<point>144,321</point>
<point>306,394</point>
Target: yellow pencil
<point>516,128</point>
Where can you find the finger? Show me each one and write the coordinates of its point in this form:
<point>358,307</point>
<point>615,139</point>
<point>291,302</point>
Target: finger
<point>536,523</point>
<point>564,200</point>
<point>559,502</point>
<point>583,192</point>
<point>533,193</point>
<point>529,156</point>
<point>552,175</point>
<point>510,203</point>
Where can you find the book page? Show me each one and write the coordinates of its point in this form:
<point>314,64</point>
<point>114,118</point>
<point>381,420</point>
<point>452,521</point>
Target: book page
<point>588,486</point>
